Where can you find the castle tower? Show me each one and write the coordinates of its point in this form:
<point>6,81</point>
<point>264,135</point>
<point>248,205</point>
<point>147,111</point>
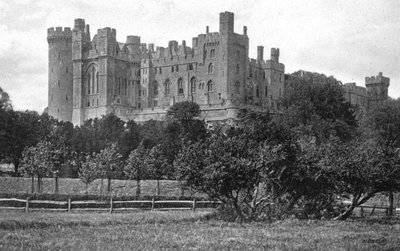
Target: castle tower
<point>377,87</point>
<point>60,73</point>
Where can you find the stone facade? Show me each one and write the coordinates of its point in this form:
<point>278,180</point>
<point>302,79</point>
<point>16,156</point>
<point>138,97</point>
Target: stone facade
<point>376,90</point>
<point>90,77</point>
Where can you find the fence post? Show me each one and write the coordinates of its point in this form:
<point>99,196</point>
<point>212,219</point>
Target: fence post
<point>152,204</point>
<point>27,205</point>
<point>361,212</point>
<point>111,204</point>
<point>194,204</point>
<point>69,205</point>
<point>373,210</point>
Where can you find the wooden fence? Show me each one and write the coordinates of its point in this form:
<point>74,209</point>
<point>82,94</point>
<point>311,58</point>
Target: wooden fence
<point>370,210</point>
<point>106,205</point>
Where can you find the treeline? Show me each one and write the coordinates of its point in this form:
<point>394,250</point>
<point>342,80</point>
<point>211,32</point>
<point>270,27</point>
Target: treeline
<point>303,161</point>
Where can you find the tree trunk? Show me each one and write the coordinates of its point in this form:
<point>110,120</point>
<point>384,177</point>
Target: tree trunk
<point>86,188</point>
<point>56,184</point>
<point>108,185</point>
<point>33,184</point>
<point>391,200</point>
<point>39,185</point>
<point>101,186</point>
<point>158,187</point>
<point>16,166</point>
<point>137,188</point>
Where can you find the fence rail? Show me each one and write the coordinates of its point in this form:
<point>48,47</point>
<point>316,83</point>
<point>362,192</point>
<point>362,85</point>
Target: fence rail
<point>107,205</point>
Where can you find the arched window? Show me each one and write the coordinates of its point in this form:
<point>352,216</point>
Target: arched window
<point>237,87</point>
<point>210,68</point>
<point>257,91</point>
<point>212,53</point>
<point>193,85</point>
<point>167,86</point>
<point>155,88</point>
<point>210,86</point>
<point>180,86</point>
<point>205,53</point>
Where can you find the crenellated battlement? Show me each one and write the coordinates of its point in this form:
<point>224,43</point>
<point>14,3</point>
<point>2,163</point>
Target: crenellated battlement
<point>379,79</point>
<point>107,31</point>
<point>58,33</point>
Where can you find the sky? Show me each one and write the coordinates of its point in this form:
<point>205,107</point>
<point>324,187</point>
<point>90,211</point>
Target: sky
<point>346,39</point>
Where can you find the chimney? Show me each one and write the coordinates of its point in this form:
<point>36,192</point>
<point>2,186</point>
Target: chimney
<point>260,53</point>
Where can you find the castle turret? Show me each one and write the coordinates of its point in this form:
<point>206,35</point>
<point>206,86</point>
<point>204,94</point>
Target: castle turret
<point>275,54</point>
<point>377,87</point>
<point>226,22</point>
<point>60,73</point>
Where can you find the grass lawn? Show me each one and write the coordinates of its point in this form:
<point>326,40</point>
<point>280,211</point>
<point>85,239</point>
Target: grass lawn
<point>186,231</point>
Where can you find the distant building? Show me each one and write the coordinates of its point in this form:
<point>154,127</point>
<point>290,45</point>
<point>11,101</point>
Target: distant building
<point>90,77</point>
<point>376,90</point>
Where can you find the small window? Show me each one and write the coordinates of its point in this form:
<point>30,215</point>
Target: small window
<point>155,88</point>
<point>167,86</point>
<point>210,86</point>
<point>160,70</point>
<point>139,92</point>
<point>237,69</point>
<point>66,69</point>
<point>193,85</point>
<point>66,97</point>
<point>266,91</point>
<point>212,53</point>
<point>190,67</point>
<point>155,103</point>
<point>176,68</point>
<point>257,92</point>
<point>172,68</point>
<point>237,87</point>
<point>210,68</point>
<point>250,72</point>
<point>180,86</point>
<point>139,105</point>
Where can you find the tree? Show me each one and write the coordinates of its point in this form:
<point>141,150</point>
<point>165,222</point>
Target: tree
<point>88,172</point>
<point>157,165</point>
<point>135,166</point>
<point>36,161</point>
<point>129,139</point>
<point>382,123</point>
<point>184,113</point>
<point>109,164</point>
<point>314,106</point>
<point>5,102</point>
<point>360,170</point>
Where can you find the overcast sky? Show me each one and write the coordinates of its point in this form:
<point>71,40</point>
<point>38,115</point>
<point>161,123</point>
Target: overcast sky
<point>346,39</point>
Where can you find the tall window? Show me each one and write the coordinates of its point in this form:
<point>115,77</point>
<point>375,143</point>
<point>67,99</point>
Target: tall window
<point>237,87</point>
<point>266,91</point>
<point>97,82</point>
<point>167,86</point>
<point>210,86</point>
<point>257,92</point>
<point>155,88</point>
<point>193,85</point>
<point>237,69</point>
<point>210,68</point>
<point>250,72</point>
<point>180,86</point>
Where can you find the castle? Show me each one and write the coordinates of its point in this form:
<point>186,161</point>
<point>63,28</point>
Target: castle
<point>375,90</point>
<point>92,77</point>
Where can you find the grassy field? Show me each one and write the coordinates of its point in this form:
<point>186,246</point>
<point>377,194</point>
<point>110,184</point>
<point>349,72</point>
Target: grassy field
<point>186,231</point>
<point>75,186</point>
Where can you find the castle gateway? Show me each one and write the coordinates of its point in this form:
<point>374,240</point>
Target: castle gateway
<point>90,77</point>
